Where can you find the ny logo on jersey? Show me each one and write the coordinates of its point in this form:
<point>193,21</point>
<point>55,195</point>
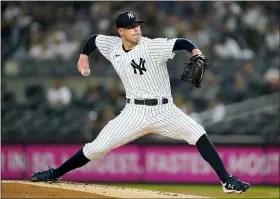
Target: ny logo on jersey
<point>140,66</point>
<point>130,15</point>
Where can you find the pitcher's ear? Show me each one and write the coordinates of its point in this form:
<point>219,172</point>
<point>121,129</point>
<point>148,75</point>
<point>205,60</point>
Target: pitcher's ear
<point>120,31</point>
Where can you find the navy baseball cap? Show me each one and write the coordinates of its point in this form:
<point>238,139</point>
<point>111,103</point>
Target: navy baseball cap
<point>126,19</point>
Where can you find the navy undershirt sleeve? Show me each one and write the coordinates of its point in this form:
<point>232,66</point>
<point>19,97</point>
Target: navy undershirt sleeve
<point>184,44</point>
<point>89,45</point>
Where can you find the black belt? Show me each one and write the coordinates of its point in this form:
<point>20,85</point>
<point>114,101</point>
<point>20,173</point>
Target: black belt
<point>148,102</point>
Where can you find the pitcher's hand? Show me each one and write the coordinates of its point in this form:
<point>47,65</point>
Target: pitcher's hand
<point>83,63</point>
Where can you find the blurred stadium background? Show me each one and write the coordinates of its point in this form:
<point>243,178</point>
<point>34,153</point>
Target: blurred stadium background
<point>45,100</point>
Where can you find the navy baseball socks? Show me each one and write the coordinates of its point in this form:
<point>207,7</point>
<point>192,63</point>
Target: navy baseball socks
<point>76,161</point>
<point>209,153</point>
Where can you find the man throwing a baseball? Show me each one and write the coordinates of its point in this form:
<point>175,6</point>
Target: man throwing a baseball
<point>140,63</point>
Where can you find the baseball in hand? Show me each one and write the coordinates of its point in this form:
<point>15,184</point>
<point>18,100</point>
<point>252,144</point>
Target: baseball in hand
<point>85,72</point>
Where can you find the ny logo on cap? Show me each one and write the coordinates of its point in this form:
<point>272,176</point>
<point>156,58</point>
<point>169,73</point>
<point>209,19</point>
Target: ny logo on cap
<point>130,15</point>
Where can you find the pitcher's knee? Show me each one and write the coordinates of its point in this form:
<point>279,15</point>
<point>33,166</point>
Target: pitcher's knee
<point>194,137</point>
<point>91,151</point>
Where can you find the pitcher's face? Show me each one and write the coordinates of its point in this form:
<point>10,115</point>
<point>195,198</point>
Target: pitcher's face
<point>131,33</point>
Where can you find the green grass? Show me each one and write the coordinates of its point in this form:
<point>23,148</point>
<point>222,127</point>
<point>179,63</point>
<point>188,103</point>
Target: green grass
<point>214,191</point>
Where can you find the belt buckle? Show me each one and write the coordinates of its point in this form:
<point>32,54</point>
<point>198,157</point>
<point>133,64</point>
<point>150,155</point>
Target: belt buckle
<point>145,100</point>
<point>153,102</point>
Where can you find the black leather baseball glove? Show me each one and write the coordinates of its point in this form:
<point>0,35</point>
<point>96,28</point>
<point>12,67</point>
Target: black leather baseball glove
<point>194,70</point>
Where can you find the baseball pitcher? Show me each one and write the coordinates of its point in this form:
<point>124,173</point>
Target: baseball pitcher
<point>140,63</point>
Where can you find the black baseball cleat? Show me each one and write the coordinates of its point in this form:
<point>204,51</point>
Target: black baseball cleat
<point>233,184</point>
<point>43,176</point>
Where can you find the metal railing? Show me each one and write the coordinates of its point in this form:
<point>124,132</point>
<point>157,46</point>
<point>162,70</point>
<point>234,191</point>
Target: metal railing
<point>244,109</point>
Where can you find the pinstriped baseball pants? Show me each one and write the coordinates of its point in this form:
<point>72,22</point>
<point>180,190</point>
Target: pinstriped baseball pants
<point>137,120</point>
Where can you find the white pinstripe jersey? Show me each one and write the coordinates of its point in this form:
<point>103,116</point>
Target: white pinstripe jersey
<point>143,70</point>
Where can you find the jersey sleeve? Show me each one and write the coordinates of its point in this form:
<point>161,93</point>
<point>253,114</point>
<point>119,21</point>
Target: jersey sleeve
<point>161,49</point>
<point>105,44</point>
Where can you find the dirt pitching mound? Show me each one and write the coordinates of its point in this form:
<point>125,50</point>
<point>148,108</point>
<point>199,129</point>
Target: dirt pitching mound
<point>26,189</point>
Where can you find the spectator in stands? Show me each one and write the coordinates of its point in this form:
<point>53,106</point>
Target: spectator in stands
<point>59,96</point>
<point>228,48</point>
<point>231,23</point>
<point>12,11</point>
<point>81,28</point>
<point>95,121</point>
<point>190,111</point>
<point>7,98</point>
<point>239,88</point>
<point>253,80</point>
<point>187,107</point>
<point>41,51</point>
<point>199,35</point>
<point>91,97</point>
<point>115,98</point>
<point>255,20</point>
<point>272,40</point>
<point>16,21</point>
<point>93,125</point>
<point>210,88</point>
<point>219,110</point>
<point>67,49</point>
<point>35,96</point>
<point>272,79</point>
